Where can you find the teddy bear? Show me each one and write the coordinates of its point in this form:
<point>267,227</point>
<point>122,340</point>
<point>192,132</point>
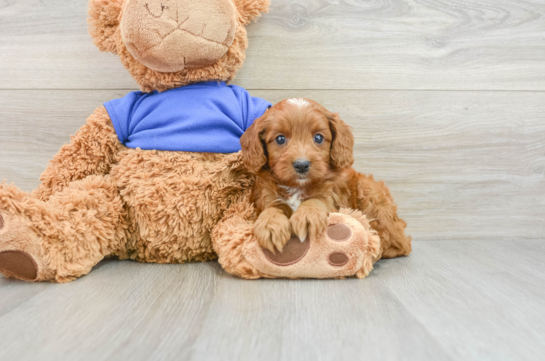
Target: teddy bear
<point>157,176</point>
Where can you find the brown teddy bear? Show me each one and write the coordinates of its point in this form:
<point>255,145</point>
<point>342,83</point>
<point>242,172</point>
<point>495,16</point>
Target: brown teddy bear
<point>157,176</point>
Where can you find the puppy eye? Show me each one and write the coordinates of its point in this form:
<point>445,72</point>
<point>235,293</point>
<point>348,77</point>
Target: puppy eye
<point>280,140</point>
<point>318,138</point>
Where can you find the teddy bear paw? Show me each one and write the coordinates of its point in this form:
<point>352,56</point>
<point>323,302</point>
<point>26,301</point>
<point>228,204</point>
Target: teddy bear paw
<point>343,250</point>
<point>18,248</point>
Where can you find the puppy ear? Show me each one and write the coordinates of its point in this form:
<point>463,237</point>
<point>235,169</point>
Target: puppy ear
<point>250,10</point>
<point>253,150</point>
<point>103,22</point>
<point>342,147</point>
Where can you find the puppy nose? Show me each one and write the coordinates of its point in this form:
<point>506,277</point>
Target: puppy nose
<point>301,166</point>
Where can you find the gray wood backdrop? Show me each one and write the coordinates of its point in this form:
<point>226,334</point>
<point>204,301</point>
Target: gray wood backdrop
<point>447,98</point>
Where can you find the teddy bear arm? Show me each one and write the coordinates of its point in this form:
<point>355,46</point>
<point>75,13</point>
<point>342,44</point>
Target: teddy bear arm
<point>91,151</point>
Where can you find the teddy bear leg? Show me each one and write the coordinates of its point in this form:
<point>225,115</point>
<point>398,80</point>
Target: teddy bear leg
<point>63,238</point>
<point>347,248</point>
<point>230,236</point>
<point>375,201</point>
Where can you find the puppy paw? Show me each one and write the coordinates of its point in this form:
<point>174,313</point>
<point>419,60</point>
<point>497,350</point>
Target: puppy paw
<point>309,221</point>
<point>272,229</point>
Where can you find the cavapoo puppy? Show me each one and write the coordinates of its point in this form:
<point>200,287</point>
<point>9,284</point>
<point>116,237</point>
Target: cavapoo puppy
<point>302,155</point>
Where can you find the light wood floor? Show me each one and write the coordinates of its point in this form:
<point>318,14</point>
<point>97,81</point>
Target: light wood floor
<point>465,300</point>
<point>447,102</point>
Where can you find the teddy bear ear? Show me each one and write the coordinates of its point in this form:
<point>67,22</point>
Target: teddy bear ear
<point>103,21</point>
<point>250,10</point>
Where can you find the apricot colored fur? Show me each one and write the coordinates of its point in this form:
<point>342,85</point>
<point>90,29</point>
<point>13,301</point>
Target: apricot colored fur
<point>98,198</point>
<point>152,206</point>
<point>104,20</point>
<point>330,184</point>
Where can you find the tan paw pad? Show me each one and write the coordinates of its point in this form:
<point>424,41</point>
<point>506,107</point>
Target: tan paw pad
<point>18,264</point>
<point>293,252</point>
<point>338,259</point>
<point>339,232</point>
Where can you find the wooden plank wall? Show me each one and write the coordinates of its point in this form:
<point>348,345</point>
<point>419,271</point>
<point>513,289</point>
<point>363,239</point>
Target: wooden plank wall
<point>447,98</point>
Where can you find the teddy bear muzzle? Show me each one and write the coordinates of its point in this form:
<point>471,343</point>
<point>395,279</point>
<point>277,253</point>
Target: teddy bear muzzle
<point>173,35</point>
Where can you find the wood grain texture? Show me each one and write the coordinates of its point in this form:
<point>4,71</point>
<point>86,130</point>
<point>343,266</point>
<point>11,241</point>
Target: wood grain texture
<point>498,285</point>
<point>465,162</point>
<point>448,301</point>
<point>461,165</point>
<point>111,313</point>
<point>308,44</point>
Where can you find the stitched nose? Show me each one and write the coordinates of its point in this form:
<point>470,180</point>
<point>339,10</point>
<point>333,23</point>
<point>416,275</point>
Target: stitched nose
<point>301,166</point>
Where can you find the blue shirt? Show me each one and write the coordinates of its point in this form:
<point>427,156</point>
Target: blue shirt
<point>205,117</point>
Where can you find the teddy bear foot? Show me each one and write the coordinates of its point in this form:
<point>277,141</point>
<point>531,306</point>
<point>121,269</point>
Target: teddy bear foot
<point>295,250</point>
<point>19,249</point>
<point>18,264</point>
<point>347,248</point>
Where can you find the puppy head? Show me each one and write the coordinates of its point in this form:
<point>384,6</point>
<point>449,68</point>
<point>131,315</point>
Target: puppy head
<point>299,141</point>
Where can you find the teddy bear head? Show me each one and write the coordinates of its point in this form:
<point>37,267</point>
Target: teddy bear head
<point>171,43</point>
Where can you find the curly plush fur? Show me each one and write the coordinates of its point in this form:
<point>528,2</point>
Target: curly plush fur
<point>98,198</point>
<point>104,21</point>
<point>151,206</point>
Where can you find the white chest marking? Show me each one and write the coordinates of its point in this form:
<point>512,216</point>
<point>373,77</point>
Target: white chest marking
<point>294,201</point>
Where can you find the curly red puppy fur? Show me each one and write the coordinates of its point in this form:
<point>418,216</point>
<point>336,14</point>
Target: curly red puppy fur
<point>302,155</point>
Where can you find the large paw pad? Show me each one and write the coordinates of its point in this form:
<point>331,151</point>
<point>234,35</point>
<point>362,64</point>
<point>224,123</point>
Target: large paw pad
<point>18,264</point>
<point>293,252</point>
<point>339,232</point>
<point>17,243</point>
<point>338,252</point>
